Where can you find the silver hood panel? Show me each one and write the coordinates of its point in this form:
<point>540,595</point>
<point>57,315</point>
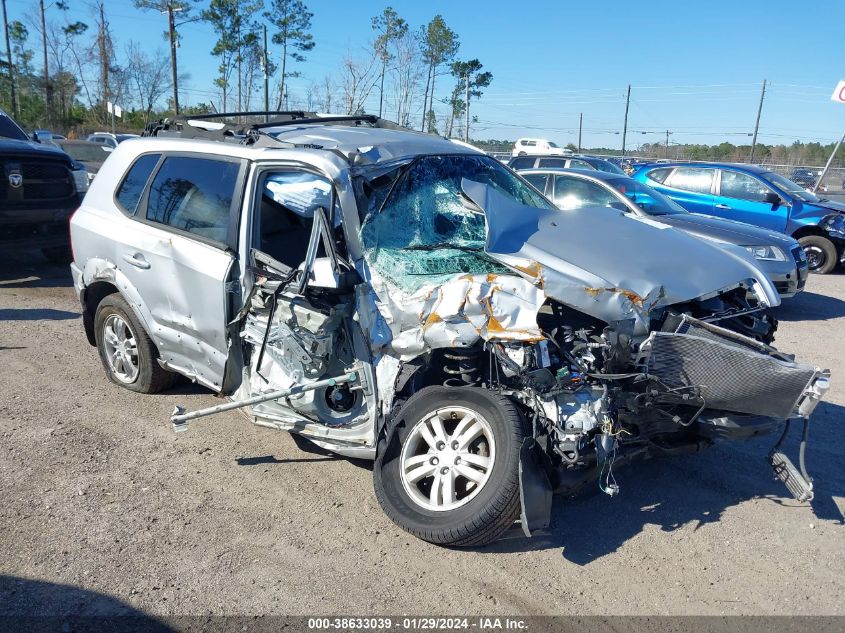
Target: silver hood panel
<point>608,264</point>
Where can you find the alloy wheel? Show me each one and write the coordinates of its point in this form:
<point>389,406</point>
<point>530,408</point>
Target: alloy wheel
<point>447,458</point>
<point>121,349</point>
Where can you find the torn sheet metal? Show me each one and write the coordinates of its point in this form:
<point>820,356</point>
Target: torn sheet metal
<point>458,313</point>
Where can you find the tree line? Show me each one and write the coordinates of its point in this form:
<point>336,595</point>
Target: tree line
<point>62,73</point>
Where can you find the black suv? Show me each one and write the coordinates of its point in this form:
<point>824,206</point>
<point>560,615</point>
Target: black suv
<point>40,187</point>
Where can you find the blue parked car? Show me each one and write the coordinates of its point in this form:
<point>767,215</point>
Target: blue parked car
<point>752,194</point>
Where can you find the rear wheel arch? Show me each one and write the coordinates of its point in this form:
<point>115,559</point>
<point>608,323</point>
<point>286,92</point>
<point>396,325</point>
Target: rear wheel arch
<point>91,298</point>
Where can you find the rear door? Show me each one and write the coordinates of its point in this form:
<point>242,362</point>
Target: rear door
<point>742,197</point>
<point>692,188</point>
<point>179,255</point>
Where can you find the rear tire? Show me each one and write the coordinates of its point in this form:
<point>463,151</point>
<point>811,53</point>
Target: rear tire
<point>129,356</point>
<point>821,254</point>
<point>478,479</point>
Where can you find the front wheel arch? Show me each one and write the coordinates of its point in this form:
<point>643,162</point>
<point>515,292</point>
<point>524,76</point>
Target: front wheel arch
<point>485,515</point>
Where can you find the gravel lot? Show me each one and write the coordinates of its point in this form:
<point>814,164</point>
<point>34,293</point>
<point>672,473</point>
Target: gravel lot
<point>103,507</point>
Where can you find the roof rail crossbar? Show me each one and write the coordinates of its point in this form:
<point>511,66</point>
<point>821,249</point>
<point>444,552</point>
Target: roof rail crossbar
<point>226,115</point>
<point>352,118</point>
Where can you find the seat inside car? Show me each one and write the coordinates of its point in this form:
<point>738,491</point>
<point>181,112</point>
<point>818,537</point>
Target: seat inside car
<point>284,233</point>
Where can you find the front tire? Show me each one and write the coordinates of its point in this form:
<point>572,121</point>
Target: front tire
<point>128,355</point>
<point>821,253</point>
<point>447,469</point>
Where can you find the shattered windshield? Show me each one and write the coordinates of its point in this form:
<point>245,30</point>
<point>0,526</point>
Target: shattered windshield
<point>419,226</point>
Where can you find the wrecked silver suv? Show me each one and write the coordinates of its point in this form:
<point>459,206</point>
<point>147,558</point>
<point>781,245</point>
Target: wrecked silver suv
<point>396,296</point>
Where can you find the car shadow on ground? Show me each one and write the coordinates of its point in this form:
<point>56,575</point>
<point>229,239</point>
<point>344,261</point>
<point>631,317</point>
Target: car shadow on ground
<point>809,306</point>
<point>36,314</point>
<point>30,270</point>
<point>37,605</point>
<point>687,493</point>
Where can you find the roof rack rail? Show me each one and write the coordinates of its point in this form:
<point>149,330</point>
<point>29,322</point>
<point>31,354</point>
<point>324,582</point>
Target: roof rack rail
<point>229,115</point>
<point>340,118</point>
<point>248,133</point>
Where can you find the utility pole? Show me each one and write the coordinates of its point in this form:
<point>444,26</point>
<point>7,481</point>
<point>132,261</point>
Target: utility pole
<point>11,65</point>
<point>266,78</point>
<point>580,127</point>
<point>667,143</point>
<point>48,93</point>
<point>757,124</point>
<point>240,74</point>
<point>103,48</point>
<point>171,21</point>
<point>625,128</point>
<point>827,165</point>
<point>466,87</point>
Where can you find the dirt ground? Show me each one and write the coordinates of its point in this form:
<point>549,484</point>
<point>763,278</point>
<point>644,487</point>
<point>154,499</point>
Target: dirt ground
<point>103,507</point>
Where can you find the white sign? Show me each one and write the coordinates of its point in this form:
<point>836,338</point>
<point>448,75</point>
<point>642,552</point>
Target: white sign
<point>839,93</point>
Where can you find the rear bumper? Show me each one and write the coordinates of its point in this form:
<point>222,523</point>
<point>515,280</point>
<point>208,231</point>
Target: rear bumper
<point>35,228</point>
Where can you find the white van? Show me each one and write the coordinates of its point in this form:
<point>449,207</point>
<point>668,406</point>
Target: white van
<point>542,146</point>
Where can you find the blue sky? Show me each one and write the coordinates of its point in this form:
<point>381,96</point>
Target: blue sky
<point>695,68</point>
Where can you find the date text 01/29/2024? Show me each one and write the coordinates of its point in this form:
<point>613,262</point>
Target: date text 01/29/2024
<point>417,623</point>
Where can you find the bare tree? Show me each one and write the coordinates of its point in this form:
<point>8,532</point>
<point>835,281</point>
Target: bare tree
<point>311,97</point>
<point>327,91</point>
<point>407,75</point>
<point>150,76</point>
<point>358,79</point>
<point>82,55</point>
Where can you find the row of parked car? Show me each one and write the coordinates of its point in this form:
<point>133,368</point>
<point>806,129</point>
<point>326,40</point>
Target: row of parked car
<point>740,205</point>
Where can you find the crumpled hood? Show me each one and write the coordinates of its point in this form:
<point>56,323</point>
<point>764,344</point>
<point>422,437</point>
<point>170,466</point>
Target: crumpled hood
<point>832,205</point>
<point>727,230</point>
<point>606,263</point>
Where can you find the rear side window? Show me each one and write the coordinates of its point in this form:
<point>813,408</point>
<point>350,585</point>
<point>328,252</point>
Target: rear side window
<point>538,180</point>
<point>132,188</point>
<point>552,162</point>
<point>692,179</point>
<point>522,162</point>
<point>194,195</point>
<point>579,164</point>
<point>529,143</point>
<point>659,175</point>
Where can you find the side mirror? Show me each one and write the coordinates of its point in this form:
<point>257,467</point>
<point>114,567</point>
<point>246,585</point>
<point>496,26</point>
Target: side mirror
<point>619,205</point>
<point>326,277</point>
<point>773,199</point>
<point>107,149</point>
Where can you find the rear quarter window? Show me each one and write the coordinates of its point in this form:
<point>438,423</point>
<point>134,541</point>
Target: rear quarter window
<point>523,162</point>
<point>658,175</point>
<point>552,162</point>
<point>131,188</point>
